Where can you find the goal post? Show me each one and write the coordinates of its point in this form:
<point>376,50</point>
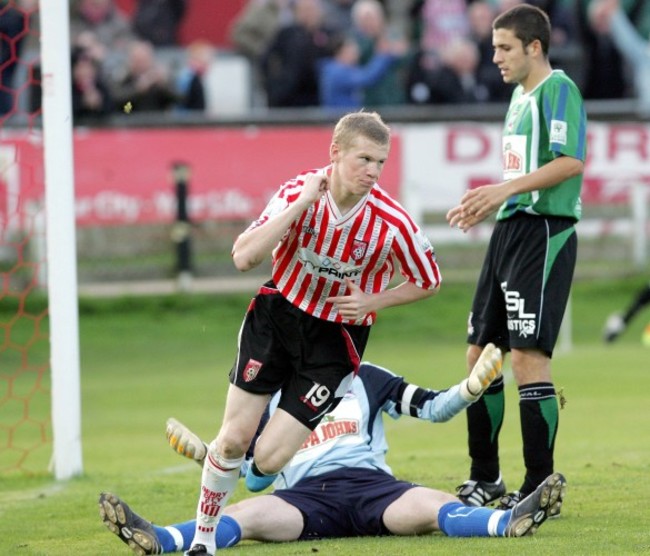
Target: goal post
<point>61,239</point>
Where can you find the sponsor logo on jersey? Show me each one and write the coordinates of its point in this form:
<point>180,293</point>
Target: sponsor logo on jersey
<point>512,160</point>
<point>331,430</point>
<point>558,132</point>
<point>251,370</point>
<point>514,156</point>
<point>327,266</point>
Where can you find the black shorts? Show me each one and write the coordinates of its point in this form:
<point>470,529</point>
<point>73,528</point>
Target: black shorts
<point>524,285</point>
<point>345,502</point>
<point>311,360</point>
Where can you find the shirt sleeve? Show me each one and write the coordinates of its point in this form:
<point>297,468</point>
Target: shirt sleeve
<point>397,397</point>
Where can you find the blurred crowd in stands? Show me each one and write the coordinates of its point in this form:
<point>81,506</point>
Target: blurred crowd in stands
<point>334,54</point>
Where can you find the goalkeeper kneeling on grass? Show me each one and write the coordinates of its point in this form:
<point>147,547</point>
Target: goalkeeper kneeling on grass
<point>339,485</point>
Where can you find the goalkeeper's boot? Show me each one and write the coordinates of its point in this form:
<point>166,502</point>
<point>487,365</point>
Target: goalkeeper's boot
<point>480,493</point>
<point>185,442</point>
<point>134,530</point>
<point>537,507</point>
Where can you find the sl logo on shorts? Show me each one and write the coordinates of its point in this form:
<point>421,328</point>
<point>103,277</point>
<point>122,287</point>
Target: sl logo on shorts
<point>250,371</point>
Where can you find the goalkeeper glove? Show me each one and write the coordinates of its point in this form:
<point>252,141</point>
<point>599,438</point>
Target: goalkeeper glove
<point>487,368</point>
<point>185,442</point>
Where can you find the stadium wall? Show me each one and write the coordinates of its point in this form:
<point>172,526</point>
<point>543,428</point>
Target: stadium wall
<point>123,177</point>
<point>125,201</point>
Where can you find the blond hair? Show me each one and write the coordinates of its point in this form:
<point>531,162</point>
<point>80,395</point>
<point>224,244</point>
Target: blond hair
<point>365,124</point>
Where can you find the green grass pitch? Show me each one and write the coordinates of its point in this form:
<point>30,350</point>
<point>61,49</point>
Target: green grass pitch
<point>144,360</point>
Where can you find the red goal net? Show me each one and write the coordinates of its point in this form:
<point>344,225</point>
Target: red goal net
<point>25,421</point>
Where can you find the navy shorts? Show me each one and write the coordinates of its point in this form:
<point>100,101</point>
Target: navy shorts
<point>524,285</point>
<point>345,502</point>
<point>313,361</point>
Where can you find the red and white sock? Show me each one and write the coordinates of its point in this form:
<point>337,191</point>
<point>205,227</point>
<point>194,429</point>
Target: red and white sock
<point>218,482</point>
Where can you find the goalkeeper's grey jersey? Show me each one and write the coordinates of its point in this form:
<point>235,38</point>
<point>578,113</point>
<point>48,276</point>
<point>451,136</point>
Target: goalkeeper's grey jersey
<point>353,434</point>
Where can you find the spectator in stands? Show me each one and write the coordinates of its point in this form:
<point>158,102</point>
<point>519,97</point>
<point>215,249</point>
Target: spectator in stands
<point>145,83</point>
<point>447,76</point>
<point>158,21</point>
<point>290,65</point>
<point>111,27</point>
<point>338,14</point>
<point>605,72</point>
<point>442,22</point>
<point>190,83</point>
<point>91,98</point>
<point>100,22</point>
<point>343,80</point>
<point>252,32</point>
<point>480,15</point>
<point>610,17</point>
<point>109,63</point>
<point>254,28</point>
<point>563,26</point>
<point>370,27</point>
<point>91,45</point>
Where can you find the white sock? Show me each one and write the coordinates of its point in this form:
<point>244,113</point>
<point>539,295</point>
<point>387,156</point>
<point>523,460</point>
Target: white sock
<point>218,482</point>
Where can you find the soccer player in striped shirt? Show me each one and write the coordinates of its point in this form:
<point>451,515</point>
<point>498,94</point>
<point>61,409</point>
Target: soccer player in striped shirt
<point>524,285</point>
<point>335,238</point>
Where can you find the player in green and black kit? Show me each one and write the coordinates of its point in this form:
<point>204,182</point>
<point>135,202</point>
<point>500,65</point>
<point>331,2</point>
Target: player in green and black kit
<point>524,284</point>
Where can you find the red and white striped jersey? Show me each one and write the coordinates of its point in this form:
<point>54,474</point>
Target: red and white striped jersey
<point>322,248</point>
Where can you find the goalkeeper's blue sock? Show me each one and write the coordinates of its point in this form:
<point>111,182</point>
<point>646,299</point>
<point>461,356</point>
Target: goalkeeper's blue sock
<point>228,532</point>
<point>458,520</point>
<point>256,480</point>
<point>178,537</point>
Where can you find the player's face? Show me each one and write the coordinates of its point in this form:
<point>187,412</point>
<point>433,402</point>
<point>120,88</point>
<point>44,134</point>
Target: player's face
<point>359,165</point>
<point>510,56</point>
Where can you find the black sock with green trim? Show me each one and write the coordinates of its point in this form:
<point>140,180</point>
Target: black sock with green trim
<point>484,420</point>
<point>539,414</point>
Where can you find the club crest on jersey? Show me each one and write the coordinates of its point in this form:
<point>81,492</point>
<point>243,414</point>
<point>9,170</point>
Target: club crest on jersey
<point>359,249</point>
<point>251,370</point>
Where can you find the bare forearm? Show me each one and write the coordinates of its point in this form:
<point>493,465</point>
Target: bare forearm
<point>253,246</point>
<point>549,175</point>
<point>404,293</point>
<point>477,204</point>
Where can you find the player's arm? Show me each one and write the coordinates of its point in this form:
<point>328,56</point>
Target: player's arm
<point>413,253</point>
<point>258,242</point>
<point>398,397</point>
<point>477,204</point>
<point>455,399</point>
<point>356,304</point>
<point>402,294</point>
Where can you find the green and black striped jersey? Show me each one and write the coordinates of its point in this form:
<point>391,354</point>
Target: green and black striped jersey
<point>541,125</point>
